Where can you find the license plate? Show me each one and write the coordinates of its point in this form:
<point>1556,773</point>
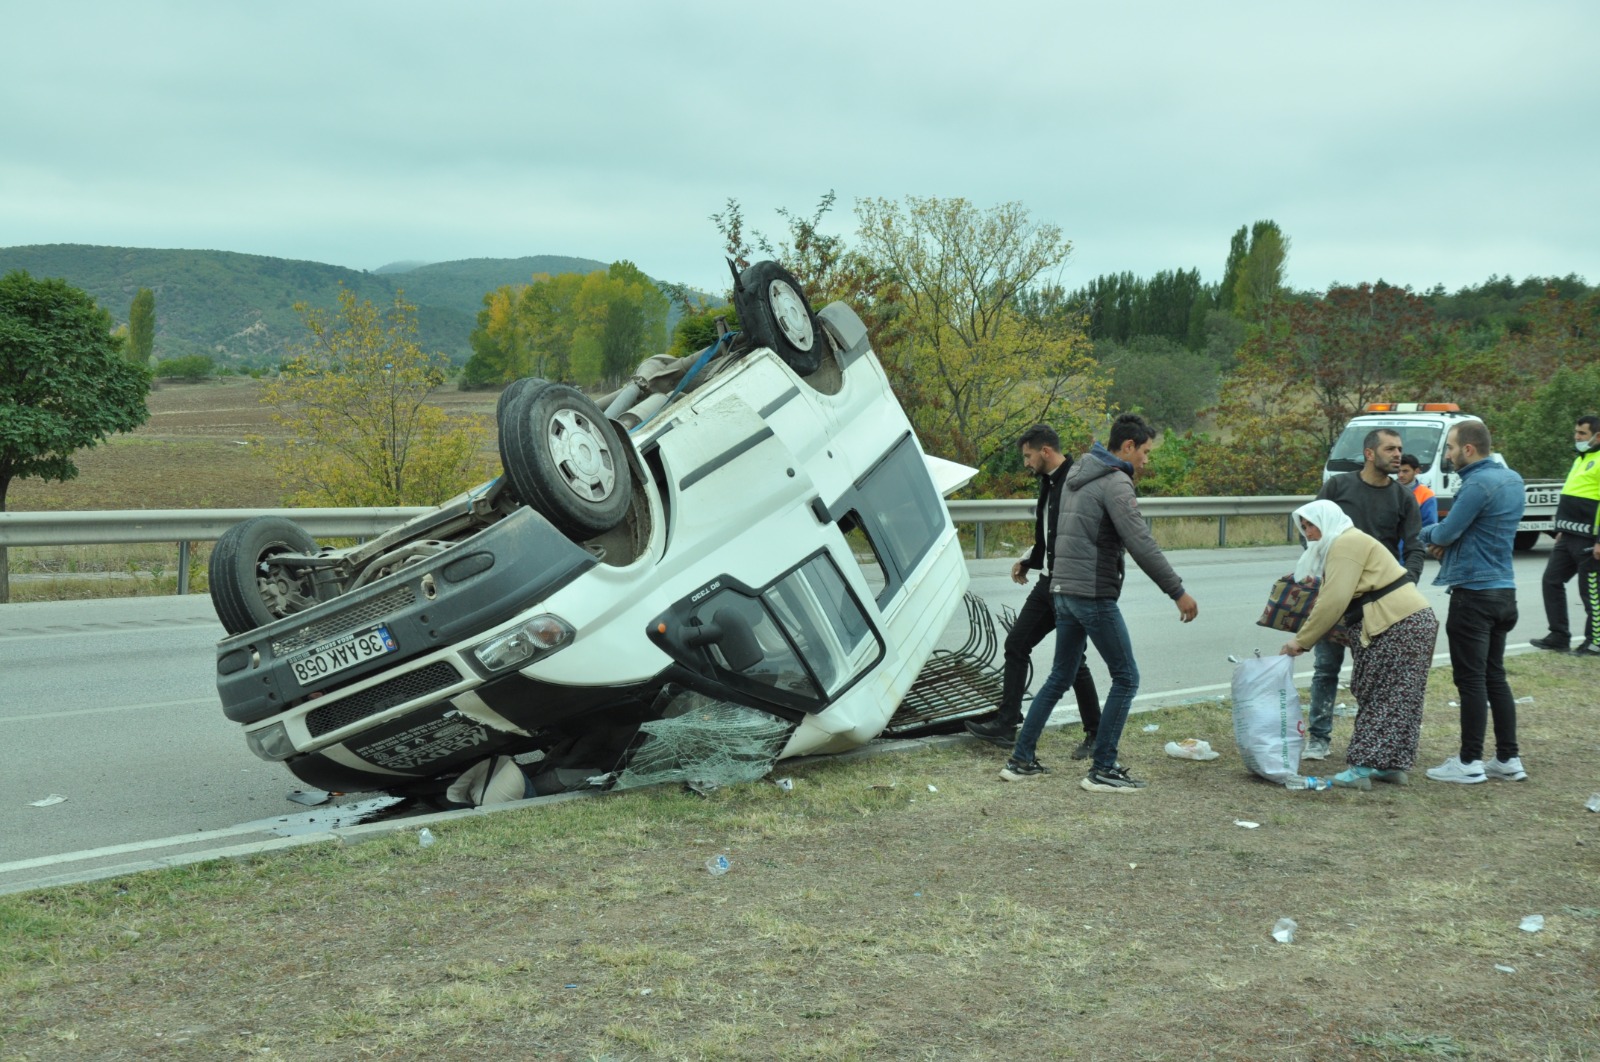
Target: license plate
<point>330,658</point>
<point>1544,498</point>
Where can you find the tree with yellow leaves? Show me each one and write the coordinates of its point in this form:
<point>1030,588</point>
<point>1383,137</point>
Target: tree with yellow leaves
<point>983,368</point>
<point>354,401</point>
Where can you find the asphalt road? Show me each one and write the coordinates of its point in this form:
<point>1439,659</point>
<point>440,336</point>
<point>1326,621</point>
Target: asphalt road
<point>111,704</point>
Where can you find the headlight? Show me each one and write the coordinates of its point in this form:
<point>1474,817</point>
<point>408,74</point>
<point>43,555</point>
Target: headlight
<point>270,742</point>
<point>529,640</point>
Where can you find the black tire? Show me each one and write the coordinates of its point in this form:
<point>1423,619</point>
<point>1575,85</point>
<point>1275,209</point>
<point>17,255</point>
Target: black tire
<point>774,312</point>
<point>563,458</point>
<point>512,392</point>
<point>247,589</point>
<point>1525,540</point>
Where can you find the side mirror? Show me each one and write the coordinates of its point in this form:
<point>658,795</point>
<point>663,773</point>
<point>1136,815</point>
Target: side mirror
<point>732,633</point>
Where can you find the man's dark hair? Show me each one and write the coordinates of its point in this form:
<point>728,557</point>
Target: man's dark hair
<point>1474,433</point>
<point>1591,420</point>
<point>1371,441</point>
<point>1410,461</point>
<point>1129,426</point>
<point>1039,436</point>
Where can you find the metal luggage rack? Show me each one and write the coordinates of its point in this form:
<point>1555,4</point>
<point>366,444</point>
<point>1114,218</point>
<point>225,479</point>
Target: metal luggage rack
<point>955,684</point>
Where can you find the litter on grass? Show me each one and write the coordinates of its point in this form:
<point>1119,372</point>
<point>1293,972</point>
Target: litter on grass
<point>1593,803</point>
<point>1503,968</point>
<point>1191,749</point>
<point>49,801</point>
<point>1532,923</point>
<point>1151,728</point>
<point>1283,930</point>
<point>1246,824</point>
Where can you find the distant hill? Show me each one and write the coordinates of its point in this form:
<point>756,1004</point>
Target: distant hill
<point>239,308</point>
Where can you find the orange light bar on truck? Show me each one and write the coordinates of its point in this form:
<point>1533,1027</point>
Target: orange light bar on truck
<point>1412,407</point>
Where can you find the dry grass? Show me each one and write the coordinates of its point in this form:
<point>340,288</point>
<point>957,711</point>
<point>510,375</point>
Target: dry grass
<point>981,920</point>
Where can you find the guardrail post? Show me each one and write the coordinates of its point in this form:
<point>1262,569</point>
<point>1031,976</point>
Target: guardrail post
<point>1222,531</point>
<point>183,567</point>
<point>977,541</point>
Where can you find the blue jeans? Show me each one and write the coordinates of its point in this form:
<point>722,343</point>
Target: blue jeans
<point>1080,620</point>
<point>1327,658</point>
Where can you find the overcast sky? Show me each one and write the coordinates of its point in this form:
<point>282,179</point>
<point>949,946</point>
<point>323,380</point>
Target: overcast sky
<point>1421,143</point>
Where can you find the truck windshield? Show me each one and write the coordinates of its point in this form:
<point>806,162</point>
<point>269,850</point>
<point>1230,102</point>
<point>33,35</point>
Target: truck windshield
<point>1420,440</point>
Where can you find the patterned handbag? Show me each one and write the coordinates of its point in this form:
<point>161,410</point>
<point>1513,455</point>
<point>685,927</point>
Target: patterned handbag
<point>1289,604</point>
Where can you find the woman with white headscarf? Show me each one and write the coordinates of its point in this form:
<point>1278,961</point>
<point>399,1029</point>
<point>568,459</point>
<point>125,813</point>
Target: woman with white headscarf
<point>1367,598</point>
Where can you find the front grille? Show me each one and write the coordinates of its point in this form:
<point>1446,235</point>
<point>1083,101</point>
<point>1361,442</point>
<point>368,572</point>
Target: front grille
<point>374,699</point>
<point>344,621</point>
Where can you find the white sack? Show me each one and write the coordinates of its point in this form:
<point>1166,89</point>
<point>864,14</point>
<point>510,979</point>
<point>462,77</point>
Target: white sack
<point>1267,723</point>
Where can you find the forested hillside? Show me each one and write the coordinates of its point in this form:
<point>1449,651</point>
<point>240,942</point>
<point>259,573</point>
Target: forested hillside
<point>239,308</point>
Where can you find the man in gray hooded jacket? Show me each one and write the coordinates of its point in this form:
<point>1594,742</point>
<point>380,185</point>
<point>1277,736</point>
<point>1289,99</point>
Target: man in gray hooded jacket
<point>1098,523</point>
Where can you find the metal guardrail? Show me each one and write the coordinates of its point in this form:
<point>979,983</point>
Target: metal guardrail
<point>185,526</point>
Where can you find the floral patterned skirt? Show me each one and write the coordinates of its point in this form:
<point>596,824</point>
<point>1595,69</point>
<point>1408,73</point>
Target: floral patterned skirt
<point>1390,679</point>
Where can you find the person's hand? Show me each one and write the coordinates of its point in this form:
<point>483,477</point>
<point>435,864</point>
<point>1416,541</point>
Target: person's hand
<point>1291,649</point>
<point>1188,609</point>
<point>1436,552</point>
<point>1596,550</point>
<point>1019,574</point>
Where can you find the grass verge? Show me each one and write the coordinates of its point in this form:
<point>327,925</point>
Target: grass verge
<point>901,907</point>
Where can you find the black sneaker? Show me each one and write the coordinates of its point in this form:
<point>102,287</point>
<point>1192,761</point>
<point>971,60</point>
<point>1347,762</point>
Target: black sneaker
<point>994,732</point>
<point>1588,649</point>
<point>1085,748</point>
<point>1016,772</point>
<point>1116,780</point>
<point>1554,642</point>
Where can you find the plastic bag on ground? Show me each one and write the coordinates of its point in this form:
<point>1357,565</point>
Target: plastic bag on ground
<point>1191,749</point>
<point>1267,724</point>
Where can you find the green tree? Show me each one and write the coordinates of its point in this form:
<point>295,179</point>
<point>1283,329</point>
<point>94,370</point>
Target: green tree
<point>984,368</point>
<point>354,400</point>
<point>142,327</point>
<point>64,383</point>
<point>1157,377</point>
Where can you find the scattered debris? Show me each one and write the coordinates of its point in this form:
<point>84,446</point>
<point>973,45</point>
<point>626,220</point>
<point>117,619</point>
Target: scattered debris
<point>49,801</point>
<point>1532,923</point>
<point>717,865</point>
<point>785,784</point>
<point>1503,968</point>
<point>1593,803</point>
<point>1524,700</point>
<point>425,837</point>
<point>1283,930</point>
<point>310,797</point>
<point>1151,728</point>
<point>1191,749</point>
<point>886,786</point>
<point>1246,823</point>
<point>932,788</point>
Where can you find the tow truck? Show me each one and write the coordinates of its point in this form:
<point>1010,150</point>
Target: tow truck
<point>1422,427</point>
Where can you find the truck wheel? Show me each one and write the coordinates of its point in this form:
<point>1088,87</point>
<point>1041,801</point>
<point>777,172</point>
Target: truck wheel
<point>249,589</point>
<point>773,310</point>
<point>565,459</point>
<point>1525,540</point>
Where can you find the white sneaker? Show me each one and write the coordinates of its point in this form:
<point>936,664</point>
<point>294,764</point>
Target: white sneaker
<point>1505,770</point>
<point>1316,749</point>
<point>1453,770</point>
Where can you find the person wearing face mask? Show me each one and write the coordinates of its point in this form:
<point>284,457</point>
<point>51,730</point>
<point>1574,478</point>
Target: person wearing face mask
<point>1577,548</point>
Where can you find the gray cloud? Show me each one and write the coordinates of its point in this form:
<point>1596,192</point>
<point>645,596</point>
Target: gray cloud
<point>1420,142</point>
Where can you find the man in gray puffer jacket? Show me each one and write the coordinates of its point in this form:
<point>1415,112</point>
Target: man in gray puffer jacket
<point>1098,523</point>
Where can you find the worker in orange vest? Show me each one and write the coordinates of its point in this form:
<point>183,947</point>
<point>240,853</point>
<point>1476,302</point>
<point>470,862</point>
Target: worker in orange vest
<point>1409,467</point>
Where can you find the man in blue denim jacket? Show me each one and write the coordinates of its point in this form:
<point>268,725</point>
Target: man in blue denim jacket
<point>1474,542</point>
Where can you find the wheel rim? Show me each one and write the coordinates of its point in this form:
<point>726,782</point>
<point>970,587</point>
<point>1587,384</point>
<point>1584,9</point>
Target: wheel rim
<point>281,591</point>
<point>789,310</point>
<point>580,455</point>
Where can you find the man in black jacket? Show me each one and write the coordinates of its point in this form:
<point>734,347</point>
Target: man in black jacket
<point>1041,454</point>
<point>1387,511</point>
